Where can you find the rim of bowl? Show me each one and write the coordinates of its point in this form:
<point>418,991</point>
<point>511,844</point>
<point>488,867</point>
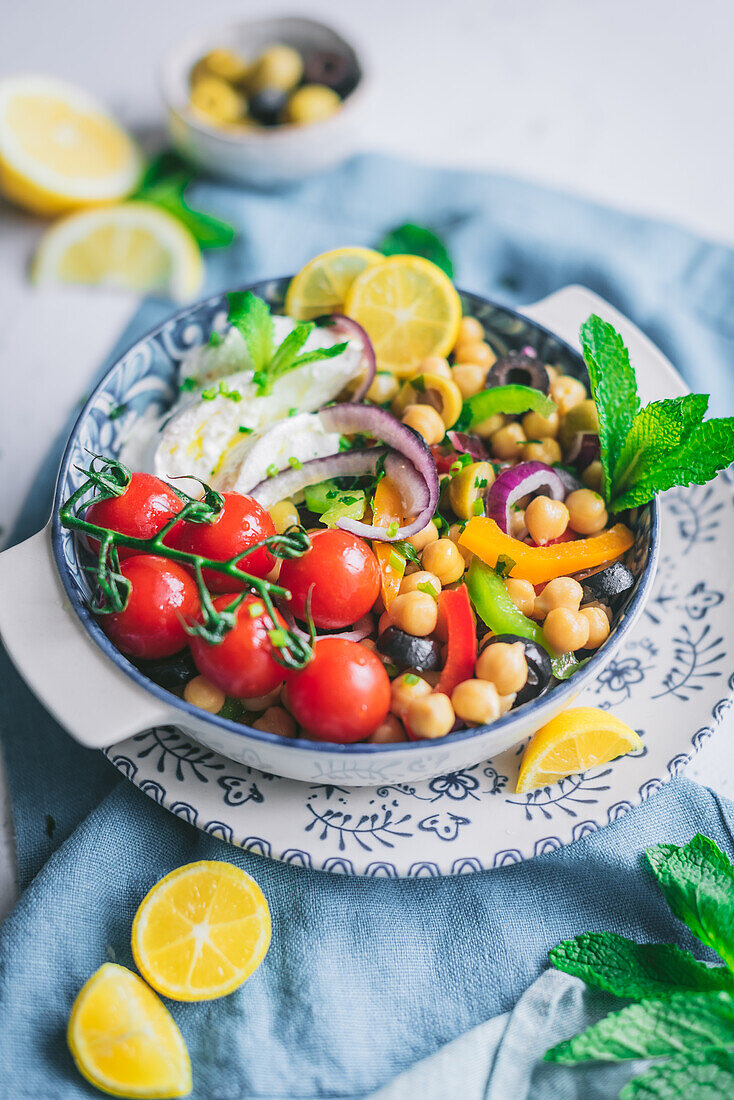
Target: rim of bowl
<point>562,691</point>
<point>178,58</point>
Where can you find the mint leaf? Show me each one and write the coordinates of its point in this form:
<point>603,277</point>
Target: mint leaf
<point>613,388</point>
<point>698,883</point>
<point>656,429</point>
<point>318,354</point>
<point>693,1022</point>
<point>164,182</point>
<point>707,448</point>
<point>564,666</point>
<point>620,966</point>
<point>688,1077</point>
<point>416,240</point>
<point>251,316</point>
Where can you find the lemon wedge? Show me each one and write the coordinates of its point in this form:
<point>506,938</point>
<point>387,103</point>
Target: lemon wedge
<point>323,284</point>
<point>410,310</point>
<point>574,741</point>
<point>201,931</point>
<point>133,246</point>
<point>124,1040</point>
<point>59,149</point>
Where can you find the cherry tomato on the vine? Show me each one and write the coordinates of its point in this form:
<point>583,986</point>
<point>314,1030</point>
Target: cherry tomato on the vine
<point>241,523</point>
<point>344,574</point>
<point>144,508</point>
<point>242,664</point>
<point>343,694</point>
<point>162,593</point>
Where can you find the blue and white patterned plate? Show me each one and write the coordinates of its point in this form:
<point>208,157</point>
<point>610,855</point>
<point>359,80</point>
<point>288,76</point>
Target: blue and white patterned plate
<point>672,681</point>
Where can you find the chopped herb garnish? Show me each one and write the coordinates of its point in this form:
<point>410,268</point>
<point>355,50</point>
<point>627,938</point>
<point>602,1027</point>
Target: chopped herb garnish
<point>459,463</point>
<point>256,609</point>
<point>504,565</point>
<point>293,411</point>
<point>117,411</point>
<point>477,508</point>
<point>393,529</point>
<point>215,339</point>
<point>272,470</point>
<point>244,431</point>
<point>210,394</point>
<point>418,383</point>
<point>295,463</point>
<point>188,385</point>
<point>278,638</point>
<point>480,483</point>
<point>396,561</point>
<point>427,587</point>
<point>411,679</point>
<point>408,551</point>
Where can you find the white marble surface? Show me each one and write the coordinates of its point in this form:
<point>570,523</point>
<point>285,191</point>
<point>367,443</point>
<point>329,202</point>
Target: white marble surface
<point>628,103</point>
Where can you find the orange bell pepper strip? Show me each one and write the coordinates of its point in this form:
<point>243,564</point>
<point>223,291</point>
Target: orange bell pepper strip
<point>542,563</point>
<point>387,509</point>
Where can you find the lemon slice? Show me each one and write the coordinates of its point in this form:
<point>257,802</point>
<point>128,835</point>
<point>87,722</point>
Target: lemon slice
<point>323,284</point>
<point>410,310</point>
<point>124,1040</point>
<point>574,741</point>
<point>134,246</point>
<point>59,149</point>
<point>201,931</point>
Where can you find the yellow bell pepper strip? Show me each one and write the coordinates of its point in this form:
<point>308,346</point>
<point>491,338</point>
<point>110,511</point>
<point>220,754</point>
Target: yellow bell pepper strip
<point>494,606</point>
<point>542,563</point>
<point>387,509</point>
<point>462,638</point>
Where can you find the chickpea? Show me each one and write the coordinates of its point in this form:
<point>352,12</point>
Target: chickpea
<point>435,364</point>
<point>586,510</point>
<point>546,519</point>
<point>485,429</point>
<point>566,392</point>
<point>415,613</point>
<point>454,533</point>
<point>476,702</point>
<point>471,331</point>
<point>371,644</point>
<point>383,387</point>
<point>565,630</point>
<point>552,372</point>
<point>560,592</point>
<point>522,595</point>
<point>262,702</point>
<point>474,351</point>
<point>202,693</point>
<point>283,515</point>
<point>518,527</point>
<point>536,426</point>
<point>592,476</point>
<point>444,560</point>
<point>598,622</point>
<point>431,715</point>
<point>507,702</point>
<point>508,441</point>
<point>425,420</point>
<point>420,540</point>
<point>468,486</point>
<point>388,731</point>
<point>384,621</point>
<point>469,377</point>
<point>504,664</point>
<point>542,450</point>
<point>405,690</point>
<point>276,720</point>
<point>410,583</point>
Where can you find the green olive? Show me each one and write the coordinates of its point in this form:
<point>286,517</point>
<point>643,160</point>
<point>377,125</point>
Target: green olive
<point>581,418</point>
<point>217,100</point>
<point>225,64</point>
<point>311,103</point>
<point>279,67</point>
<point>430,389</point>
<point>469,486</point>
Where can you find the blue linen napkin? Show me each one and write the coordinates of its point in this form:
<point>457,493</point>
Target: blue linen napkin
<point>364,977</point>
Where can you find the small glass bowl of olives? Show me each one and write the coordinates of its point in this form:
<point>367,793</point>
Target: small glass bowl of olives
<point>242,100</point>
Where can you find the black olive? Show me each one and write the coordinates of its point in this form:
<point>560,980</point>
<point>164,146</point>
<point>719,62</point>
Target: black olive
<point>407,651</point>
<point>265,106</point>
<point>539,667</point>
<point>610,585</point>
<point>171,673</point>
<point>516,369</point>
<point>333,69</point>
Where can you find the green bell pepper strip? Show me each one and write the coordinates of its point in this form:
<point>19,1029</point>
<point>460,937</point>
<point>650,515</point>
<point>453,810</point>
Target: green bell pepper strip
<point>505,399</point>
<point>494,606</point>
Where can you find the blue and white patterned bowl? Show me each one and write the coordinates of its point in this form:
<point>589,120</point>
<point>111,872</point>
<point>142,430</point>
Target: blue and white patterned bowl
<point>146,380</point>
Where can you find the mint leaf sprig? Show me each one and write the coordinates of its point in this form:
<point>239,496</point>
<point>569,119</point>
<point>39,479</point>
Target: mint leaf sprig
<point>164,183</point>
<point>684,1008</point>
<point>251,316</point>
<point>647,450</point>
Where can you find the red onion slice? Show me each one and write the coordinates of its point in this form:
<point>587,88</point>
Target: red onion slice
<point>466,444</point>
<point>345,327</point>
<point>361,629</point>
<point>584,450</point>
<point>289,481</point>
<point>517,482</point>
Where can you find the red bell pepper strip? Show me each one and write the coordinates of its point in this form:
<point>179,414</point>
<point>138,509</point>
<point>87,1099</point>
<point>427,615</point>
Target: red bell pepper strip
<point>455,606</point>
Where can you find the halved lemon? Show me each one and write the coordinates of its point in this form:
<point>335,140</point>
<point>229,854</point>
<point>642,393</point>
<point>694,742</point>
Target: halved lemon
<point>134,246</point>
<point>124,1040</point>
<point>59,149</point>
<point>410,310</point>
<point>574,741</point>
<point>201,931</point>
<point>323,284</point>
